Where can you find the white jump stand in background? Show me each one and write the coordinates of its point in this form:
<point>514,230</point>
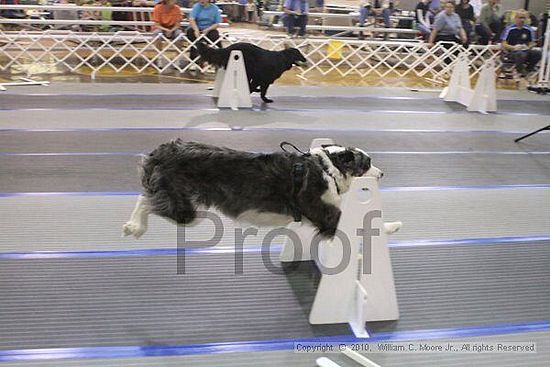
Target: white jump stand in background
<point>231,85</point>
<point>351,295</point>
<point>25,81</point>
<point>481,99</point>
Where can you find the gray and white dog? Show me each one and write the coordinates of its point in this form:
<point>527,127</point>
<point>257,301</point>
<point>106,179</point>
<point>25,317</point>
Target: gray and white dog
<point>261,188</point>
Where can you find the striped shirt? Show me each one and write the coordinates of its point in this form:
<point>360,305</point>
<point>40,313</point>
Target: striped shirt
<point>518,36</point>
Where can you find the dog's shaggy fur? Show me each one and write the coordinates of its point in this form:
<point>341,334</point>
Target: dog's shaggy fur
<point>263,67</point>
<point>180,177</point>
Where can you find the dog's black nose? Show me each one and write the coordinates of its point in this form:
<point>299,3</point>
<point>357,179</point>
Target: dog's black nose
<point>381,174</point>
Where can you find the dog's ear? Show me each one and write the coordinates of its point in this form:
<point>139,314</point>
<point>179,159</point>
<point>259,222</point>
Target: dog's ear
<point>348,156</point>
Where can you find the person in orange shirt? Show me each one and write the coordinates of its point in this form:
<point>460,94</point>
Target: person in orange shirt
<point>167,18</point>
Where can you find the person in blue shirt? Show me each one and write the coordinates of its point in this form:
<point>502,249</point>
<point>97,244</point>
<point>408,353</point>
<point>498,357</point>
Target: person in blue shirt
<point>296,16</point>
<point>203,21</point>
<point>447,26</point>
<point>518,40</point>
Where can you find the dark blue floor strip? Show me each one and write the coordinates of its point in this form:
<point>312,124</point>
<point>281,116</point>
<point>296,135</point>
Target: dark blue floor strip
<point>383,189</point>
<point>267,345</point>
<point>257,249</point>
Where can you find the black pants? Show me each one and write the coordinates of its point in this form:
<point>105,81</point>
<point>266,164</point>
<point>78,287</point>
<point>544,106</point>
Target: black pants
<point>447,38</point>
<point>213,36</point>
<point>485,33</point>
<point>525,60</point>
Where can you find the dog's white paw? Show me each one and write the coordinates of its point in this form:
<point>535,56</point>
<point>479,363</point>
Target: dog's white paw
<point>133,228</point>
<point>392,227</point>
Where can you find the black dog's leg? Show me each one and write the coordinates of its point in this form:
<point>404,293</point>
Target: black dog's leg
<point>325,218</point>
<point>263,91</point>
<point>253,86</point>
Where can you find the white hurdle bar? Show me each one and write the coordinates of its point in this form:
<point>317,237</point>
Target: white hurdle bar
<point>354,294</point>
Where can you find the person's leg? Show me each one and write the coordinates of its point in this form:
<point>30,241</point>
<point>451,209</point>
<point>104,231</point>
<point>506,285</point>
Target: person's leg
<point>519,58</point>
<point>424,31</point>
<point>157,34</point>
<point>448,43</point>
<point>363,14</point>
<point>532,59</point>
<point>302,22</point>
<point>193,53</point>
<point>468,29</point>
<point>386,15</point>
<point>177,35</point>
<point>291,21</point>
<point>496,28</point>
<point>483,33</point>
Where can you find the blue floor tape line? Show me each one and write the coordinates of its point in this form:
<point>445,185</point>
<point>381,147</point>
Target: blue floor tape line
<point>275,248</point>
<point>383,189</point>
<point>267,345</point>
<point>73,193</point>
<point>130,253</point>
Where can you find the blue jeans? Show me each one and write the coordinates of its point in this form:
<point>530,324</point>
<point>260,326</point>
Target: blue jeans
<point>364,13</point>
<point>386,13</point>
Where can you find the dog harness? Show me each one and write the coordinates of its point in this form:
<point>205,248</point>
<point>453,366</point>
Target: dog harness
<point>298,173</point>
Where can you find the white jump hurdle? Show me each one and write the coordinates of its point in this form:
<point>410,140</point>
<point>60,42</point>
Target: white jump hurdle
<point>357,293</point>
<point>231,85</point>
<point>482,98</point>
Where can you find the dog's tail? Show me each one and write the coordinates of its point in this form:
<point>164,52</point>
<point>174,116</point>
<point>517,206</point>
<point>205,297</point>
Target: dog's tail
<point>214,56</point>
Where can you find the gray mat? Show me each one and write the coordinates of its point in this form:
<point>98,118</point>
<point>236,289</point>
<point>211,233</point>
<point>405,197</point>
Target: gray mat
<point>119,173</point>
<point>265,140</point>
<point>93,223</point>
<point>93,119</point>
<point>178,102</point>
<point>141,300</point>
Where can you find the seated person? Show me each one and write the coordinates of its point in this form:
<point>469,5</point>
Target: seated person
<point>422,16</point>
<point>167,17</point>
<point>518,40</point>
<point>490,22</point>
<point>204,20</point>
<point>447,26</point>
<point>365,7</point>
<point>466,13</point>
<point>388,8</point>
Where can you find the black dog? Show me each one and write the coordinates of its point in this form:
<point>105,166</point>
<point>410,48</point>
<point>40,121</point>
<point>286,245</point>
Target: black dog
<point>263,67</point>
<point>180,177</point>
